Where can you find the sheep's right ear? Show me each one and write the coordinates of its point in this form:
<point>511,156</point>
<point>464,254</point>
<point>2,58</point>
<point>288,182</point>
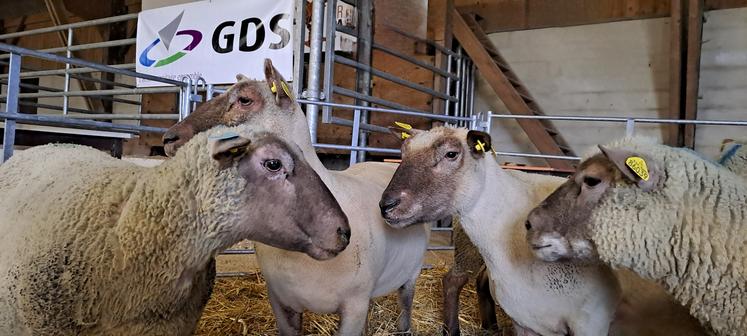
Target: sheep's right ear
<point>228,147</point>
<point>479,143</point>
<point>637,168</point>
<point>279,87</point>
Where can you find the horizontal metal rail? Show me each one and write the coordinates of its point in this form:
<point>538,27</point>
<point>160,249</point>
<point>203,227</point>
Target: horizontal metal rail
<point>540,156</point>
<point>85,78</point>
<point>358,148</point>
<point>57,107</point>
<point>58,72</point>
<point>112,92</point>
<point>415,61</point>
<point>374,100</point>
<point>385,110</point>
<point>95,45</point>
<point>74,123</point>
<point>49,89</point>
<point>238,251</point>
<point>112,19</point>
<point>622,119</point>
<point>363,126</point>
<point>125,116</point>
<point>83,63</point>
<point>392,78</point>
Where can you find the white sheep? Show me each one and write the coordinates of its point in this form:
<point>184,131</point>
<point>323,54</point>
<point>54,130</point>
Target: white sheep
<point>664,213</point>
<point>733,156</point>
<point>448,171</point>
<point>92,245</point>
<point>379,260</point>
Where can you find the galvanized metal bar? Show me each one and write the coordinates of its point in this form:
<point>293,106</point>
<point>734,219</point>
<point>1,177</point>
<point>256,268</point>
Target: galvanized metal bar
<point>237,251</point>
<point>540,156</point>
<point>83,63</point>
<point>363,78</point>
<point>385,110</point>
<point>112,19</point>
<point>458,88</point>
<point>79,47</point>
<point>58,108</point>
<point>66,87</point>
<point>148,116</point>
<point>422,40</point>
<point>315,66</point>
<point>624,120</point>
<point>471,83</point>
<point>447,89</point>
<point>414,60</point>
<point>392,78</point>
<point>374,100</point>
<point>329,57</point>
<point>60,72</point>
<point>49,89</point>
<point>100,92</point>
<point>75,123</point>
<point>367,127</point>
<point>11,106</point>
<point>358,148</point>
<point>299,47</point>
<point>630,127</point>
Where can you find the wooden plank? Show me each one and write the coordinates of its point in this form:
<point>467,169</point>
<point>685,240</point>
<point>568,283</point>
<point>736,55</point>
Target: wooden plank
<point>694,42</point>
<point>676,56</point>
<point>511,15</point>
<point>505,91</point>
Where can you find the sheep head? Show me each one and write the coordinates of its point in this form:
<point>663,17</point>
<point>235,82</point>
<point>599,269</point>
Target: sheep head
<point>285,203</point>
<point>245,101</point>
<point>562,226</point>
<point>436,175</point>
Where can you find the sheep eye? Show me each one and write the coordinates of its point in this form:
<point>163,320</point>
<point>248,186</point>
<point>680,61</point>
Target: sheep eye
<point>245,101</point>
<point>273,165</point>
<point>591,181</point>
<point>451,155</point>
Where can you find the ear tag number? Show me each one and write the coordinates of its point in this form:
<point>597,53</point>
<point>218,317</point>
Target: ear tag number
<point>638,166</point>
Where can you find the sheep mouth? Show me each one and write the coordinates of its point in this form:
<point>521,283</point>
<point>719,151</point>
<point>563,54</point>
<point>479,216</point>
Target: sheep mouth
<point>539,247</point>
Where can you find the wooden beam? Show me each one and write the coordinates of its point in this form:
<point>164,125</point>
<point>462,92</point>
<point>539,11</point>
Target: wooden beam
<point>676,57</point>
<point>505,91</point>
<point>694,43</point>
<point>56,11</point>
<point>511,15</point>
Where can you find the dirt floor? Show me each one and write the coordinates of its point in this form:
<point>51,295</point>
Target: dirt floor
<point>239,305</point>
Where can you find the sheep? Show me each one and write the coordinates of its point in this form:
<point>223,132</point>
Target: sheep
<point>734,157</point>
<point>446,171</point>
<point>664,213</point>
<point>379,259</point>
<point>92,245</point>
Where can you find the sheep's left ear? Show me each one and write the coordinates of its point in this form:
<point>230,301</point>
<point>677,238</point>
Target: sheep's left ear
<point>637,168</point>
<point>280,89</point>
<point>227,148</point>
<point>479,143</point>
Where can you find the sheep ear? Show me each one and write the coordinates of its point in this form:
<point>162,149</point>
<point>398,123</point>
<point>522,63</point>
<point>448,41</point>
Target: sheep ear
<point>479,143</point>
<point>228,147</point>
<point>636,167</point>
<point>403,131</point>
<point>279,87</point>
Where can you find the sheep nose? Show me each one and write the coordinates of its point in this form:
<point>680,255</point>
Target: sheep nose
<point>170,137</point>
<point>344,236</point>
<point>528,225</point>
<point>388,204</point>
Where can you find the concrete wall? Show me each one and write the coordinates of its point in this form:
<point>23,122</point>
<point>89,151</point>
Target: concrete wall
<point>620,69</point>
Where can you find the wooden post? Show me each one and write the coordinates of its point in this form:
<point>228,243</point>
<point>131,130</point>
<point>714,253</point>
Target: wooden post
<point>676,56</point>
<point>692,78</point>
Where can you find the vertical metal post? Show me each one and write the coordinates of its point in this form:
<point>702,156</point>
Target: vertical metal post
<point>299,47</point>
<point>315,66</point>
<point>489,122</point>
<point>447,90</point>
<point>11,105</point>
<point>629,127</point>
<point>330,27</point>
<point>471,101</point>
<point>209,92</point>
<point>69,54</point>
<point>363,82</point>
<point>458,89</point>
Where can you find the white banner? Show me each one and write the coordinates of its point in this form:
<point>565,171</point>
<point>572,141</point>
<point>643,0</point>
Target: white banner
<point>215,40</point>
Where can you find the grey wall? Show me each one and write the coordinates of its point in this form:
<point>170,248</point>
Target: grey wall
<point>621,69</point>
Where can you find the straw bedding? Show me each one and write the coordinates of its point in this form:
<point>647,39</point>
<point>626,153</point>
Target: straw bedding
<point>239,306</point>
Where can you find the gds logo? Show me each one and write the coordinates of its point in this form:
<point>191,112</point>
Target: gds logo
<point>166,35</point>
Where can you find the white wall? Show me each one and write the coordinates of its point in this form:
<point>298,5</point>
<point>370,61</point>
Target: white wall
<point>620,69</point>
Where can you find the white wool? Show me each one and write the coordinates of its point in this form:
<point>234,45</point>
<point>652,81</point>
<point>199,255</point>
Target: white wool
<point>690,233</point>
<point>734,157</point>
<point>93,245</point>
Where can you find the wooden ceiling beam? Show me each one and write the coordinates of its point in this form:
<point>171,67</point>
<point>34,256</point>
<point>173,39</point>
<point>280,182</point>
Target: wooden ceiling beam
<point>511,15</point>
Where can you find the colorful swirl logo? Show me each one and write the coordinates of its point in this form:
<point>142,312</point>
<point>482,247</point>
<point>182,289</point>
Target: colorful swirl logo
<point>166,34</point>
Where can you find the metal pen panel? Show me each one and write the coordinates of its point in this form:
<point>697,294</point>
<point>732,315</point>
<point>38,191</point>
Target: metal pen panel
<point>315,66</point>
<point>329,56</point>
<point>11,105</point>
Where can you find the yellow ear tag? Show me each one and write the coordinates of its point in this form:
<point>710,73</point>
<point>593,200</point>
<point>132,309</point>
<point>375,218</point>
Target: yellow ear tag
<point>403,125</point>
<point>233,150</point>
<point>274,88</point>
<point>405,135</point>
<point>639,167</point>
<point>480,146</point>
<point>286,89</point>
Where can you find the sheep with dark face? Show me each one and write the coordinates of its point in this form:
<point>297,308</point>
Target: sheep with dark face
<point>91,245</point>
<point>380,259</point>
<point>664,213</point>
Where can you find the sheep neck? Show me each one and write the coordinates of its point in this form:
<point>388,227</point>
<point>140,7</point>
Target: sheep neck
<point>494,222</point>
